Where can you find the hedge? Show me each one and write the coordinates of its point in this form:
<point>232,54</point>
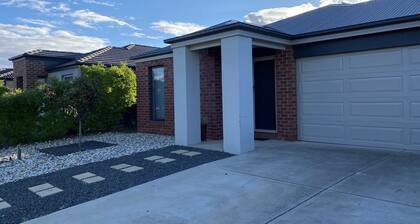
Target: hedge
<point>43,113</point>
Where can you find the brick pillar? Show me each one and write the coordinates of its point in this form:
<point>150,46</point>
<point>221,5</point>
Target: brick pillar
<point>211,92</point>
<point>30,70</point>
<point>286,90</point>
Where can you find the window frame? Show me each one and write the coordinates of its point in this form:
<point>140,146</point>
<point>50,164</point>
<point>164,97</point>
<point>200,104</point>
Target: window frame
<point>153,96</point>
<point>63,77</point>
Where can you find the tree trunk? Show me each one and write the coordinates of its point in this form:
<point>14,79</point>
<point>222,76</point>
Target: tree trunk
<point>80,133</point>
<point>19,153</point>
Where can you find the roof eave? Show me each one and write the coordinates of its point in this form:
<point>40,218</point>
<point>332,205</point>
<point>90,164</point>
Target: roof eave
<point>229,27</point>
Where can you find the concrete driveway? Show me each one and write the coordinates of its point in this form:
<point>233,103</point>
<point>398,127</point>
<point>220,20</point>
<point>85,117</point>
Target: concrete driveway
<point>278,183</point>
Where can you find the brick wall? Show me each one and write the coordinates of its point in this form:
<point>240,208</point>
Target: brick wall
<point>211,92</point>
<point>286,90</point>
<point>30,69</point>
<point>145,123</point>
<point>211,95</point>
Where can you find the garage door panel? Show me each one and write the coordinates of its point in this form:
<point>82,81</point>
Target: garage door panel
<point>336,132</point>
<point>382,84</point>
<point>323,109</point>
<point>414,55</point>
<point>324,87</point>
<point>385,109</point>
<point>322,64</point>
<point>377,59</point>
<point>415,110</point>
<point>415,139</point>
<point>414,83</point>
<point>377,134</point>
<point>372,100</point>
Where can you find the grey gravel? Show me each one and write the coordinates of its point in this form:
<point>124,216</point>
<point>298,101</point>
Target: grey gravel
<point>35,163</point>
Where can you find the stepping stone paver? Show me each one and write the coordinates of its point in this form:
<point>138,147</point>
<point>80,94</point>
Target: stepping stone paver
<point>40,187</point>
<point>94,179</point>
<point>88,178</point>
<point>45,190</point>
<point>191,154</point>
<point>84,176</point>
<point>120,166</point>
<point>4,204</point>
<point>48,192</point>
<point>153,158</point>
<point>132,169</point>
<point>165,160</point>
<point>180,151</point>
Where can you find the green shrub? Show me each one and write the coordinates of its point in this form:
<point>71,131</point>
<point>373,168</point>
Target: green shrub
<point>3,90</point>
<point>19,117</point>
<point>118,88</point>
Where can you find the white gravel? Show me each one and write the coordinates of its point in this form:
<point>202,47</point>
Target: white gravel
<point>35,163</point>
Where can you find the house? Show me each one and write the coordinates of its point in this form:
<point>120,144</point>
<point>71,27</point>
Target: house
<point>346,74</point>
<point>38,65</point>
<point>6,76</point>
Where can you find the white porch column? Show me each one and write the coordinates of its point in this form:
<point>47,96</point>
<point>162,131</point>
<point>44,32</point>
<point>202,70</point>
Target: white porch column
<point>187,97</point>
<point>238,97</point>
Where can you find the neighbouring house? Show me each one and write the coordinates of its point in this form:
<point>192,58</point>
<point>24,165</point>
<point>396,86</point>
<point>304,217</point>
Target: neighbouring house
<point>6,75</point>
<point>346,74</point>
<point>34,66</point>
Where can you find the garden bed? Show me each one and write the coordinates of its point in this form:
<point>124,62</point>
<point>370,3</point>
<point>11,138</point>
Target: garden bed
<point>35,163</point>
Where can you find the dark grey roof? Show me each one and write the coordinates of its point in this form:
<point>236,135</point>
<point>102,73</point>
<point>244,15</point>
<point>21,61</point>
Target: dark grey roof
<point>6,74</point>
<point>227,26</point>
<point>157,52</point>
<point>109,56</point>
<point>48,54</point>
<point>328,19</point>
<point>348,15</point>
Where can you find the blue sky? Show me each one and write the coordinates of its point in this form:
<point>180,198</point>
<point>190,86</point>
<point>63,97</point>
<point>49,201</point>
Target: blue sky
<point>85,25</point>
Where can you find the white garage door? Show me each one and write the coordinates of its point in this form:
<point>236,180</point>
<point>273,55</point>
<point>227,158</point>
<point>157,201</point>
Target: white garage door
<point>365,98</point>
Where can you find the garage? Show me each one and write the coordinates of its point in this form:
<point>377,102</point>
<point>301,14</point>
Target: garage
<point>369,98</point>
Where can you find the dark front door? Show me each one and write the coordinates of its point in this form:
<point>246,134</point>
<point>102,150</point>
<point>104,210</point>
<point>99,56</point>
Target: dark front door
<point>265,95</point>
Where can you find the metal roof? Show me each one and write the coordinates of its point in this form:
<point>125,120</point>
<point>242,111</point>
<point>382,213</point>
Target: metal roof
<point>347,15</point>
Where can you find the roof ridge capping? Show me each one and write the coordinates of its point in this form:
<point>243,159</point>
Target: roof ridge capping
<point>94,54</point>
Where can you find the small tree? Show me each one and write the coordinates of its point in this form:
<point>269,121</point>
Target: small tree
<point>82,97</point>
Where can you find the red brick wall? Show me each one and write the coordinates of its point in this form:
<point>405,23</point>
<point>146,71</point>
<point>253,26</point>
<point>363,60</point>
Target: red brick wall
<point>211,92</point>
<point>211,95</point>
<point>286,95</point>
<point>145,123</point>
<point>30,69</point>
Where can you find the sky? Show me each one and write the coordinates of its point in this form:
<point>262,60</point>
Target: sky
<point>86,25</point>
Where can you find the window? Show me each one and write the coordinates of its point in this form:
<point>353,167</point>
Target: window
<point>19,82</point>
<point>67,77</point>
<point>158,93</point>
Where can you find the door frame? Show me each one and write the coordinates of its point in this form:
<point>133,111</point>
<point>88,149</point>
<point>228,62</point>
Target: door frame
<point>258,59</point>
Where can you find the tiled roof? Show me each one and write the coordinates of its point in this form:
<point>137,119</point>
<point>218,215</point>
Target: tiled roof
<point>50,54</point>
<point>345,15</point>
<point>110,55</point>
<point>6,74</point>
<point>157,52</point>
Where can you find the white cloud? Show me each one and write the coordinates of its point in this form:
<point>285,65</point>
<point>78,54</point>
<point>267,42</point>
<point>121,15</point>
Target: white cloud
<point>176,28</point>
<point>330,2</point>
<point>266,16</point>
<point>38,5</point>
<point>16,39</point>
<point>88,19</point>
<point>138,35</point>
<point>38,22</point>
<point>103,3</point>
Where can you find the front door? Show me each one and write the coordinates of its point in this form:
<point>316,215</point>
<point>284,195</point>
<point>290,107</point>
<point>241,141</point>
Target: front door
<point>265,96</point>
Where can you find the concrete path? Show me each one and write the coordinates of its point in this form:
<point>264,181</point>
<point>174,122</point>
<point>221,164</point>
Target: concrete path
<point>278,183</point>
